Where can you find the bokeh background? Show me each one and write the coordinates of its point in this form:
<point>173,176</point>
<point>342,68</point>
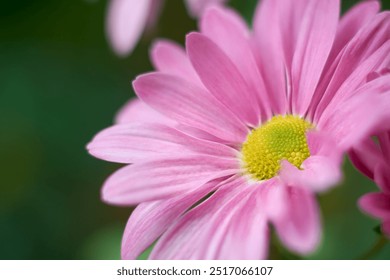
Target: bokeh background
<point>60,83</point>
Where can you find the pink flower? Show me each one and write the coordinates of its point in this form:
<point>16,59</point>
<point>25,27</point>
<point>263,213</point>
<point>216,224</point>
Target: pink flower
<point>373,160</point>
<point>255,124</point>
<point>127,20</point>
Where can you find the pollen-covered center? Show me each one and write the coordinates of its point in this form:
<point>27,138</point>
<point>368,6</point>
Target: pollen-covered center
<point>282,137</point>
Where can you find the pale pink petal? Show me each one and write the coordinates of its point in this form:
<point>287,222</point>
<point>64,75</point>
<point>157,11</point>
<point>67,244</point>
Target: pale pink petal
<point>211,228</point>
<point>150,219</point>
<point>171,58</point>
<point>222,78</point>
<point>126,21</point>
<point>135,110</point>
<point>196,7</point>
<point>165,177</point>
<point>129,143</point>
<point>365,156</point>
<point>189,104</point>
<point>376,204</point>
<point>300,228</point>
<point>317,173</point>
<point>315,39</point>
<point>229,31</point>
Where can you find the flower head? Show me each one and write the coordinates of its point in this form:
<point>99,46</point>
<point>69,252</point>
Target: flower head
<point>255,124</point>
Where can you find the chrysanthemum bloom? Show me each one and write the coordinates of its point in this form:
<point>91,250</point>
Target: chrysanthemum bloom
<point>253,125</point>
<point>373,160</point>
<point>127,20</point>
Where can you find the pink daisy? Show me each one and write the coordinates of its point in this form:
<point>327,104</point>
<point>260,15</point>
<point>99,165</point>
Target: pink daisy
<point>373,160</point>
<point>242,129</point>
<point>127,20</point>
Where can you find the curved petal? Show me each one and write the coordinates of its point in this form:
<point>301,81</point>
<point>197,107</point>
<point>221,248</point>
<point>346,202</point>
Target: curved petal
<point>314,42</point>
<point>217,228</point>
<point>229,31</point>
<point>169,57</point>
<point>126,21</point>
<point>190,105</point>
<point>222,78</point>
<point>150,219</point>
<point>382,177</point>
<point>165,177</point>
<point>376,204</point>
<point>300,228</point>
<point>135,110</point>
<point>129,143</point>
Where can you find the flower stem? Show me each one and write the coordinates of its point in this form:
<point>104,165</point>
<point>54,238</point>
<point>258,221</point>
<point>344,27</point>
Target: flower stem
<point>378,246</point>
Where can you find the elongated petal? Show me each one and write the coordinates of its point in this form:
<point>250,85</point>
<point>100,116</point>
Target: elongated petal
<point>299,229</point>
<point>229,31</point>
<point>222,78</point>
<point>129,143</point>
<point>190,105</point>
<point>314,42</point>
<point>162,178</point>
<point>126,21</point>
<point>376,204</point>
<point>382,177</point>
<point>208,230</point>
<point>135,110</point>
<point>150,219</point>
<point>168,57</point>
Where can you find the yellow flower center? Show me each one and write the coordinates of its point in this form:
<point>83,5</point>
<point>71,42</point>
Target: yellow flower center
<point>282,137</point>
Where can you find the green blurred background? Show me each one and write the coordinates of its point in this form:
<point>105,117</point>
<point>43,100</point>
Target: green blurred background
<point>60,83</point>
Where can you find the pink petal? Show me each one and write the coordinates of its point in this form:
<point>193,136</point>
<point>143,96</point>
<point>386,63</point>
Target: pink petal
<point>384,140</point>
<point>318,173</point>
<point>315,39</point>
<point>217,228</point>
<point>382,177</point>
<point>135,110</point>
<point>363,45</point>
<point>197,7</point>
<point>365,156</point>
<point>150,219</point>
<point>228,30</point>
<point>126,21</point>
<point>275,24</point>
<point>171,58</point>
<point>376,204</point>
<point>300,228</point>
<point>386,228</point>
<point>190,105</point>
<point>350,23</point>
<point>222,78</point>
<point>162,178</point>
<point>358,118</point>
<point>129,143</point>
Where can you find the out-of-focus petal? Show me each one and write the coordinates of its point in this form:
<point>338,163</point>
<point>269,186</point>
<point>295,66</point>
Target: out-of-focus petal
<point>376,204</point>
<point>197,7</point>
<point>300,228</point>
<point>365,156</point>
<point>126,21</point>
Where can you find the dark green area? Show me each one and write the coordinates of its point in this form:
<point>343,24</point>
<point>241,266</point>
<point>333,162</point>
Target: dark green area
<point>60,84</point>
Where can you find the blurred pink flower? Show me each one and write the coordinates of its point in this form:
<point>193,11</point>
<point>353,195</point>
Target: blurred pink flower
<point>373,160</point>
<point>243,128</point>
<point>127,20</point>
